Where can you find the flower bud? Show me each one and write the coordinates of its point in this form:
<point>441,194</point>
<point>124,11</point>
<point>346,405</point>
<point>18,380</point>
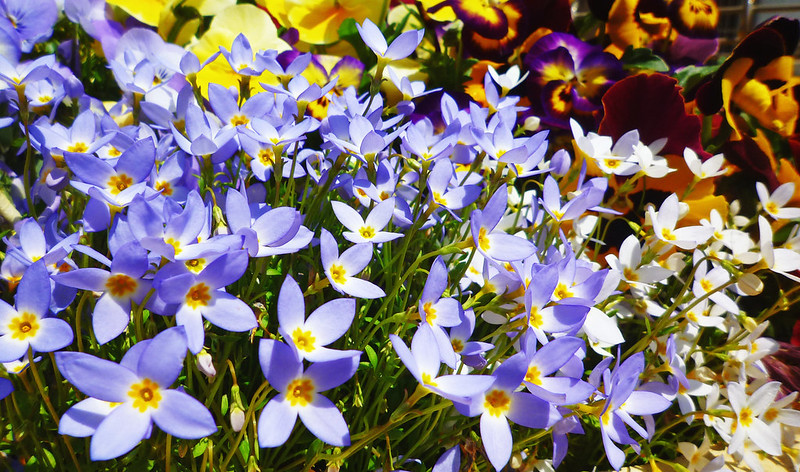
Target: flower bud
<point>750,284</point>
<point>749,324</point>
<point>205,364</point>
<point>237,418</point>
<point>252,465</point>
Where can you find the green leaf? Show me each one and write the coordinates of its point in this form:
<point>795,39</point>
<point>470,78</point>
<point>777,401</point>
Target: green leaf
<point>200,448</point>
<point>373,358</point>
<point>223,408</point>
<point>643,58</point>
<point>690,76</point>
<point>244,448</point>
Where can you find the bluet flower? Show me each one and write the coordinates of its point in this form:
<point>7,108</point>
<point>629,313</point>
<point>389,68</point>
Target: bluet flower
<point>299,395</point>
<point>139,384</point>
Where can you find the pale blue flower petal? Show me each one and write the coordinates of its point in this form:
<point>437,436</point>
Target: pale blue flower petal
<point>183,416</point>
<point>496,437</point>
<point>53,334</point>
<point>279,363</point>
<point>325,421</point>
<point>162,360</point>
<point>119,432</point>
<point>96,377</point>
<point>83,418</point>
<point>276,422</point>
<point>230,313</point>
<point>327,375</point>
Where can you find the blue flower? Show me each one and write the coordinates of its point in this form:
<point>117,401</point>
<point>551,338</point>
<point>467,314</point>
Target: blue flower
<point>139,384</point>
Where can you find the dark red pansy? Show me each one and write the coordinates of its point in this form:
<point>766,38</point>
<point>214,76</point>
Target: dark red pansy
<point>652,104</point>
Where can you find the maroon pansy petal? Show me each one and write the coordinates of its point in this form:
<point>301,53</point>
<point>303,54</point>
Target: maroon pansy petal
<point>629,105</point>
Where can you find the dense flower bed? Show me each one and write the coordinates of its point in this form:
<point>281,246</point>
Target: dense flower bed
<point>447,235</point>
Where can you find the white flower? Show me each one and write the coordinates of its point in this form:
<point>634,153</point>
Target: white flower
<point>712,167</point>
<point>664,222</point>
<point>749,424</point>
<point>779,260</point>
<point>774,203</point>
<point>508,80</point>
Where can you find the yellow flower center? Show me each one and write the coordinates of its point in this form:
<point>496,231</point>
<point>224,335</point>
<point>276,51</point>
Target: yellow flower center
<point>118,183</point>
<point>24,326</point>
<point>384,195</point>
<point>667,234</point>
<point>113,152</point>
<point>267,157</point>
<point>145,395</point>
<point>630,274</point>
<point>300,392</point>
<point>303,340</point>
<point>706,285</point>
<point>367,232</point>
<point>458,346</point>
<point>534,375</point>
<point>175,244</point>
<point>746,416</point>
<point>535,320</point>
<point>120,285</point>
<point>483,240</point>
<point>164,187</point>
<point>497,402</point>
<point>78,147</point>
<point>562,291</point>
<point>237,120</point>
<point>198,295</point>
<point>437,197</point>
<point>338,274</point>
<point>427,380</point>
<point>195,265</point>
<point>430,312</point>
<point>770,415</point>
<point>772,207</point>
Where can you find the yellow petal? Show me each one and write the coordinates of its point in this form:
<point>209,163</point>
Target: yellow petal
<point>730,79</point>
<point>146,11</point>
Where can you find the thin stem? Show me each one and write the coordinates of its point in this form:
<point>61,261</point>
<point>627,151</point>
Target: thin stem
<point>49,405</point>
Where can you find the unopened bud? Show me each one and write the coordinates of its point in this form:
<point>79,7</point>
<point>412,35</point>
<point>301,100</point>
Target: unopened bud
<point>532,123</point>
<point>749,324</point>
<point>205,364</point>
<point>252,465</point>
<point>237,418</point>
<point>750,284</point>
<point>516,461</point>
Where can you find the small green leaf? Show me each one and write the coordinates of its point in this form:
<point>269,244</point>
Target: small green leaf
<point>200,448</point>
<point>244,448</point>
<point>643,58</point>
<point>373,358</point>
<point>223,407</point>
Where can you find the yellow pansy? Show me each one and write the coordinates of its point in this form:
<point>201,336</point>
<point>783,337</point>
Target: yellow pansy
<point>318,21</point>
